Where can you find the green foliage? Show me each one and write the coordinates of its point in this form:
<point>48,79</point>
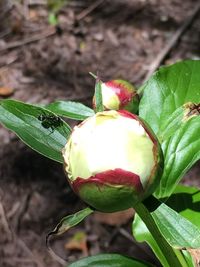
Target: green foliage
<point>98,96</point>
<point>186,201</point>
<point>72,110</point>
<point>142,234</point>
<point>109,260</point>
<point>47,137</point>
<point>69,221</point>
<point>181,150</point>
<point>177,126</point>
<point>188,258</point>
<point>178,231</point>
<point>171,106</point>
<point>52,19</point>
<point>169,88</point>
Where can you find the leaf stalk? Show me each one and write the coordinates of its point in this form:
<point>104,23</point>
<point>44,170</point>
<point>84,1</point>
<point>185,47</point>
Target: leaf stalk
<point>172,256</point>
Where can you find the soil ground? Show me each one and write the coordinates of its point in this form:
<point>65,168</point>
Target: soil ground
<point>119,39</point>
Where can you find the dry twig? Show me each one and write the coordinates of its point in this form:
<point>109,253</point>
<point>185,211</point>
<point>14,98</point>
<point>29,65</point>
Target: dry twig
<point>37,2</point>
<point>22,210</point>
<point>26,249</point>
<point>15,238</point>
<point>56,257</point>
<point>35,38</point>
<point>172,42</point>
<point>4,223</point>
<point>89,9</point>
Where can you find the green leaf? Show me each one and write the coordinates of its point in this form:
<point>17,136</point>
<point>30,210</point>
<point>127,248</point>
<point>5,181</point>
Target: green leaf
<point>178,231</point>
<point>109,260</point>
<point>168,89</point>
<point>72,110</point>
<point>52,19</point>
<point>186,201</point>
<point>181,150</point>
<point>98,96</point>
<point>164,106</point>
<point>47,137</point>
<point>69,221</point>
<point>142,234</point>
<point>188,258</point>
<point>171,124</point>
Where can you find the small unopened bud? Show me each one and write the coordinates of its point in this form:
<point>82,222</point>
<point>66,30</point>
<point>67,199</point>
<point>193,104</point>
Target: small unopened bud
<point>119,95</point>
<point>113,160</point>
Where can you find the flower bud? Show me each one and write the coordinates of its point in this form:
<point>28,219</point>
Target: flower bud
<point>119,94</point>
<point>113,160</point>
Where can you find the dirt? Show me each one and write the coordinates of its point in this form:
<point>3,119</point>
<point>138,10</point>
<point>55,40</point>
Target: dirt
<point>119,39</point>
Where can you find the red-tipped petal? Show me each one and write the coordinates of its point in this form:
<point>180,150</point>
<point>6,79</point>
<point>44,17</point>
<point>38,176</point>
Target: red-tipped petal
<point>112,177</point>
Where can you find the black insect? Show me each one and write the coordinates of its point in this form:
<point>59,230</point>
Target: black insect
<point>50,121</point>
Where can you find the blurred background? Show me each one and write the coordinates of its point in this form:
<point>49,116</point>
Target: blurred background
<point>47,49</point>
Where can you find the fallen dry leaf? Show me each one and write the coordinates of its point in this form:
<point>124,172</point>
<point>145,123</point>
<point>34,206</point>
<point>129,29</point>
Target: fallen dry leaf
<point>6,91</point>
<point>116,218</point>
<point>33,14</point>
<point>78,242</point>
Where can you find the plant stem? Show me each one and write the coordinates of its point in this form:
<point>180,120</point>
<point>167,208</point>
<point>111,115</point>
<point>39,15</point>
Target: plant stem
<point>181,257</point>
<point>167,250</point>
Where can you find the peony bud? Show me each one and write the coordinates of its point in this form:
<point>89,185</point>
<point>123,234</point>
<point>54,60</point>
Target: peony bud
<point>119,94</point>
<point>113,160</point>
